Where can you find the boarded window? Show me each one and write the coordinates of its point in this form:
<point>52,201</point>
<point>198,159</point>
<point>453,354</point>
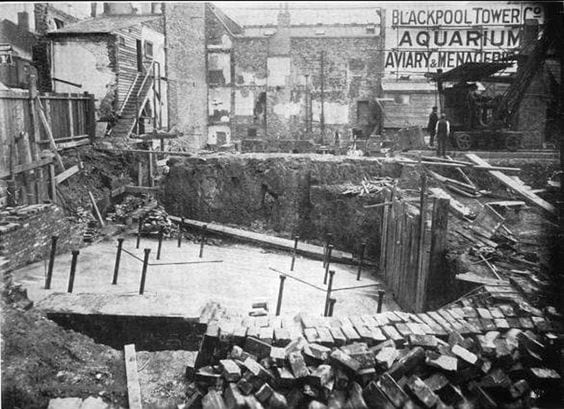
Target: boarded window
<point>216,77</point>
<point>252,132</point>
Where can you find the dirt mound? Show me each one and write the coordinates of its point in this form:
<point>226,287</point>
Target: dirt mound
<point>40,361</point>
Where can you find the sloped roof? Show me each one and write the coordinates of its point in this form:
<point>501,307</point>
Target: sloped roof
<point>408,86</point>
<point>11,33</point>
<point>103,25</point>
<point>310,13</point>
<point>315,31</point>
<point>230,24</point>
<point>472,71</point>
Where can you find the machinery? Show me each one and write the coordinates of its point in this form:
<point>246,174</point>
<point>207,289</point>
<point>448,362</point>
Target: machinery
<point>480,122</point>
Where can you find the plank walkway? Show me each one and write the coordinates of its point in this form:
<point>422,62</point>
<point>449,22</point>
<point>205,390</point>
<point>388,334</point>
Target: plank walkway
<point>304,249</point>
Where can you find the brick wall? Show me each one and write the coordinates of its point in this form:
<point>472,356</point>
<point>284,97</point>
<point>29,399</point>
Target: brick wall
<point>186,70</point>
<point>352,70</point>
<point>25,233</point>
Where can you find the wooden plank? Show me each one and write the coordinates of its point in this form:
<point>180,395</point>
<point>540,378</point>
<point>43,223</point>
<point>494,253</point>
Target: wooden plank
<point>71,118</point>
<point>141,189</point>
<point>72,144</point>
<point>61,177</point>
<point>518,188</point>
<point>456,207</point>
<point>96,210</point>
<point>422,272</point>
<point>133,387</point>
<point>117,191</point>
<point>47,128</point>
<point>52,183</point>
<point>24,168</point>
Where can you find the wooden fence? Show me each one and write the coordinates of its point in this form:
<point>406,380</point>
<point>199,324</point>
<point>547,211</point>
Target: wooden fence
<point>31,123</point>
<point>412,250</point>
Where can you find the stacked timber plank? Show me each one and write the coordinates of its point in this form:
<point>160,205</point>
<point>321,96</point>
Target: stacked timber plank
<point>469,355</point>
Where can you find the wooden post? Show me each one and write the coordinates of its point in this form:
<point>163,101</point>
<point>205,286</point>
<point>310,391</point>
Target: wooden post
<point>203,240</point>
<point>49,133</point>
<point>71,117</point>
<point>361,260</point>
<point>380,300</point>
<point>438,246</point>
<point>52,183</point>
<point>139,173</point>
<point>421,270</point>
<point>151,182</point>
<point>35,137</point>
<point>161,232</point>
<point>91,116</point>
<point>384,231</point>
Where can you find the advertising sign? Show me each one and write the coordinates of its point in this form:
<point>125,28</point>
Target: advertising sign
<point>423,37</point>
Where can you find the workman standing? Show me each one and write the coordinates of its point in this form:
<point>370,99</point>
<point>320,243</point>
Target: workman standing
<point>433,119</point>
<point>442,130</point>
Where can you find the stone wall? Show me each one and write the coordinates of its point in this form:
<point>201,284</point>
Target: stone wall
<point>186,71</point>
<point>276,192</point>
<point>25,233</point>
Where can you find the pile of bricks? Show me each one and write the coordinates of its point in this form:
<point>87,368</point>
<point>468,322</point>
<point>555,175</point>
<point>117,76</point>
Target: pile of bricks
<point>471,357</point>
<point>25,233</point>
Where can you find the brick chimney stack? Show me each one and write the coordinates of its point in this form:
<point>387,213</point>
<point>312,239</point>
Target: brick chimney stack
<point>23,20</point>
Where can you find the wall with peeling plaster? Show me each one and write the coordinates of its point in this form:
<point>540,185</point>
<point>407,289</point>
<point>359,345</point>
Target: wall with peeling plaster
<point>95,72</point>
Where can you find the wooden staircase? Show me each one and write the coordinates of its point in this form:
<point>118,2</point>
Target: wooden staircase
<point>132,107</point>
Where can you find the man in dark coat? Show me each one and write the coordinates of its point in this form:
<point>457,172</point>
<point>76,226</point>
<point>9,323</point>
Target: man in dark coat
<point>442,130</point>
<point>433,118</point>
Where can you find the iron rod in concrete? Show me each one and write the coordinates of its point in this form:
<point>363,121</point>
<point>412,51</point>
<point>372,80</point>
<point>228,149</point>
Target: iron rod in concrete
<point>160,243</point>
<point>144,271</point>
<point>380,300</point>
<point>139,234</point>
<point>118,257</point>
<point>328,298</point>
<point>180,226</point>
<point>332,302</point>
<point>51,262</point>
<point>361,260</point>
<point>280,294</point>
<point>328,262</point>
<point>296,238</point>
<point>75,254</point>
<point>203,239</point>
<point>325,247</point>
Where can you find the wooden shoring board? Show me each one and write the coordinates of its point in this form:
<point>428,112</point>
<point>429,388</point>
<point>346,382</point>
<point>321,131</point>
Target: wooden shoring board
<point>518,188</point>
<point>133,387</point>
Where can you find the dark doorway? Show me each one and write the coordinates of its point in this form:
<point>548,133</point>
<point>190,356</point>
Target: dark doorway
<point>139,56</point>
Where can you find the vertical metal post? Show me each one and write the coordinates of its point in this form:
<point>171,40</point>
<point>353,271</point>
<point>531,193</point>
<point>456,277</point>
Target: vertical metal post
<point>280,294</point>
<point>144,271</point>
<point>328,263</point>
<point>75,254</point>
<point>160,243</point>
<point>361,259</point>
<point>328,298</point>
<point>327,243</point>
<point>203,239</point>
<point>180,232</point>
<point>51,262</point>
<point>118,257</point>
<point>296,238</point>
<point>380,300</point>
<point>332,302</point>
<point>139,233</point>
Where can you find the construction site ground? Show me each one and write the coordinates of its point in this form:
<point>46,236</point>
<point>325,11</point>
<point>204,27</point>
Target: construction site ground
<point>243,275</point>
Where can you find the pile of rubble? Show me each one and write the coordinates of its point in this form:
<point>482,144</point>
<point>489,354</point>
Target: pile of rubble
<point>366,187</point>
<point>157,220</point>
<point>461,357</point>
<point>128,206</point>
